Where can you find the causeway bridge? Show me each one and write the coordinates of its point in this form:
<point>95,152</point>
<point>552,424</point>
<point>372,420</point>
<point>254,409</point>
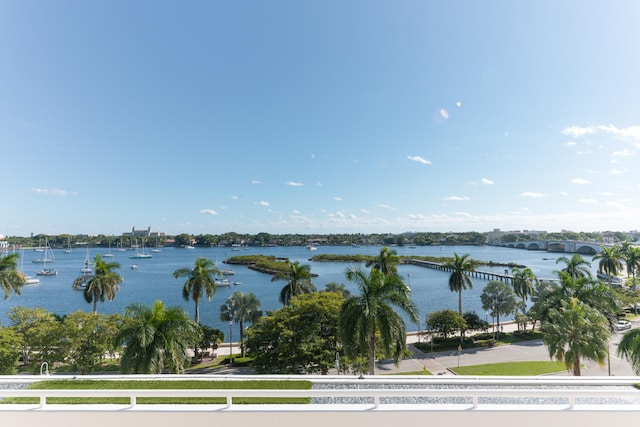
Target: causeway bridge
<point>571,246</point>
<point>489,275</point>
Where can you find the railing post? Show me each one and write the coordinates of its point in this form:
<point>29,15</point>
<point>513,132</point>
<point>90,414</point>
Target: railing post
<point>229,401</point>
<point>43,401</point>
<point>475,401</point>
<point>132,401</point>
<point>572,402</point>
<point>376,401</point>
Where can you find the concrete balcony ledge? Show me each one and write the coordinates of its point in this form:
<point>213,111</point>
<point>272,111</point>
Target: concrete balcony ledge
<point>376,401</point>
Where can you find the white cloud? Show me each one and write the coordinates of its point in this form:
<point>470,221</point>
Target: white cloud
<point>572,143</point>
<point>255,182</point>
<point>588,201</point>
<point>208,212</point>
<point>486,181</point>
<point>234,197</point>
<point>337,199</point>
<point>53,191</point>
<point>262,203</point>
<point>580,181</point>
<point>563,193</point>
<point>294,184</point>
<point>621,153</point>
<point>578,131</point>
<point>419,160</point>
<point>532,194</point>
<point>457,198</point>
<point>615,172</point>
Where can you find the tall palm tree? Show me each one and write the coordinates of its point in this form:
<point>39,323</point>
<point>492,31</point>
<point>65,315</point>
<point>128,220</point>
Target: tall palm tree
<point>575,330</point>
<point>524,282</point>
<point>610,261</point>
<point>156,338</point>
<point>241,308</point>
<point>576,266</point>
<point>632,261</point>
<point>298,279</point>
<point>387,261</point>
<point>459,279</point>
<point>11,279</point>
<point>365,317</point>
<point>102,284</point>
<point>201,281</point>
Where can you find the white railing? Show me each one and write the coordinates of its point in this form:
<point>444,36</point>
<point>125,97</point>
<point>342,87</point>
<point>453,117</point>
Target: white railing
<point>479,392</point>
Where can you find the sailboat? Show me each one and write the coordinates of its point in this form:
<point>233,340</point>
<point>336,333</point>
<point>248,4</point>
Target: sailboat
<point>108,254</point>
<point>48,258</point>
<point>157,248</point>
<point>119,247</point>
<point>68,250</point>
<point>140,253</point>
<point>87,266</point>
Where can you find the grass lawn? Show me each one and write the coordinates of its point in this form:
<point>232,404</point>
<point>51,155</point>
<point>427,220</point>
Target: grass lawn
<point>168,385</point>
<point>512,368</point>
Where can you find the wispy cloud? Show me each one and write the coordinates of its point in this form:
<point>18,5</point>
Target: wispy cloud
<point>486,181</point>
<point>255,182</point>
<point>580,181</point>
<point>457,198</point>
<point>337,199</point>
<point>294,184</point>
<point>578,131</point>
<point>615,172</point>
<point>588,201</point>
<point>621,153</point>
<point>533,194</point>
<point>53,191</point>
<point>628,133</point>
<point>419,160</point>
<point>208,212</point>
<point>262,203</point>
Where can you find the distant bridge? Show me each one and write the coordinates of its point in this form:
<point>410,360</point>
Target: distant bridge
<point>571,246</point>
<point>489,275</point>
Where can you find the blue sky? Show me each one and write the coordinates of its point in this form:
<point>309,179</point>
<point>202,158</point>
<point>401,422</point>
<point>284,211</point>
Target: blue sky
<point>319,116</point>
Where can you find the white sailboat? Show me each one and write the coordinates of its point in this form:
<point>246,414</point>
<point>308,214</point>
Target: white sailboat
<point>68,250</point>
<point>108,254</point>
<point>87,266</point>
<point>28,280</point>
<point>47,259</point>
<point>140,252</point>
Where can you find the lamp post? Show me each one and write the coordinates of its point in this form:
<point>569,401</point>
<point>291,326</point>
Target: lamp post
<point>230,340</point>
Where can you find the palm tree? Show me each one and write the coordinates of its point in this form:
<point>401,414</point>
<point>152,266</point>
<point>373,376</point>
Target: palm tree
<point>610,261</point>
<point>241,308</point>
<point>11,279</point>
<point>371,315</point>
<point>459,279</point>
<point>298,279</point>
<point>576,266</point>
<point>524,282</point>
<point>387,261</point>
<point>629,347</point>
<point>155,338</point>
<point>201,280</point>
<point>575,330</point>
<point>102,284</point>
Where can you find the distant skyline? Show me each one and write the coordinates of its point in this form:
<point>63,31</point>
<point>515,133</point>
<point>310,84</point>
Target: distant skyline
<point>325,117</point>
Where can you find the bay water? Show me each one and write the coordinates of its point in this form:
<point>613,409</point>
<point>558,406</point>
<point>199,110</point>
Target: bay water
<point>153,279</point>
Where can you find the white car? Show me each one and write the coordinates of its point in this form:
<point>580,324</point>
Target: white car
<point>623,324</point>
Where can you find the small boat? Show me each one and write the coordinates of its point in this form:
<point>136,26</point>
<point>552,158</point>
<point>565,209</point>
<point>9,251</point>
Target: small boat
<point>87,266</point>
<point>237,283</point>
<point>222,282</point>
<point>140,253</point>
<point>48,258</point>
<point>47,272</point>
<point>134,266</point>
<point>68,250</point>
<point>228,272</point>
<point>312,248</point>
<point>188,247</point>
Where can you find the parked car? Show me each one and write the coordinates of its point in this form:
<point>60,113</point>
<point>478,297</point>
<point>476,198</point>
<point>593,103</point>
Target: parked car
<point>623,324</point>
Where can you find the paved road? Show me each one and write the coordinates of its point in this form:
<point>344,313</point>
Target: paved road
<point>437,363</point>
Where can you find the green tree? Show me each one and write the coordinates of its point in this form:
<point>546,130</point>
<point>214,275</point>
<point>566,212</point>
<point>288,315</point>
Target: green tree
<point>631,256</point>
<point>459,279</point>
<point>575,266</point>
<point>298,278</point>
<point>155,338</point>
<point>387,261</point>
<point>101,285</point>
<point>241,308</point>
<point>629,348</point>
<point>299,338</point>
<point>88,338</point>
<point>574,331</point>
<point>499,298</point>
<point>445,322</point>
<point>610,261</point>
<point>524,286</point>
<point>474,322</point>
<point>337,287</point>
<point>200,282</point>
<point>10,344</point>
<point>40,332</point>
<point>371,315</point>
<point>11,279</point>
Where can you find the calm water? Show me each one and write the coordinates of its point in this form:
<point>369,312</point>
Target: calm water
<point>153,280</point>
